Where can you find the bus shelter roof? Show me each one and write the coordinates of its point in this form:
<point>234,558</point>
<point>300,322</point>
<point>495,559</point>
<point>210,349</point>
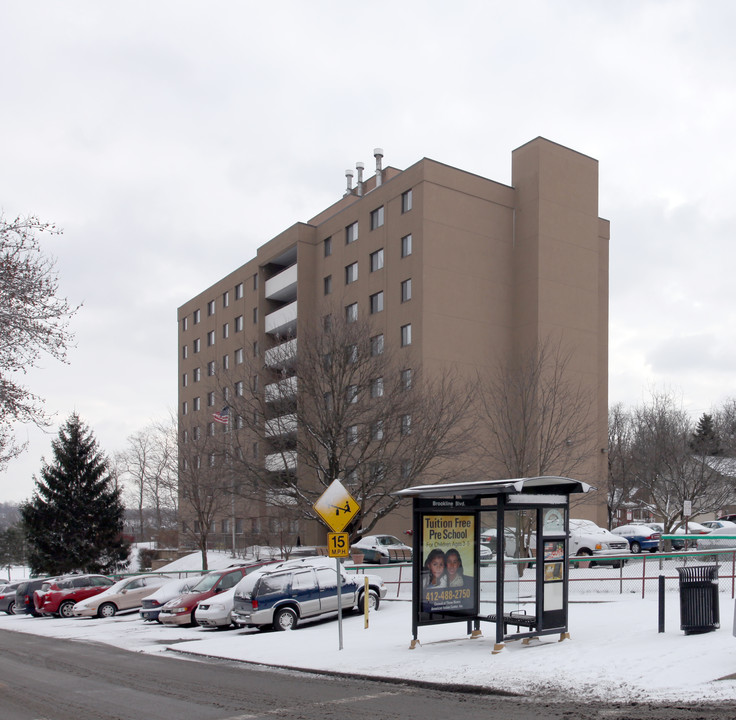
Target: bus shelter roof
<point>489,488</point>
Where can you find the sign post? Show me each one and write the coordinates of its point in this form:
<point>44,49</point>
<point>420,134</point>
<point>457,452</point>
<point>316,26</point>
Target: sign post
<point>337,507</point>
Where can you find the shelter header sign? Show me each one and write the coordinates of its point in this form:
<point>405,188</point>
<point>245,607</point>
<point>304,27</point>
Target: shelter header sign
<point>336,506</point>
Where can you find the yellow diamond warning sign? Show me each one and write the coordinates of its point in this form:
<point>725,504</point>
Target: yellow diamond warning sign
<point>336,506</point>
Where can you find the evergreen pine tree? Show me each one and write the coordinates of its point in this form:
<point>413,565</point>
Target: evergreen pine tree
<point>74,521</point>
<point>705,439</point>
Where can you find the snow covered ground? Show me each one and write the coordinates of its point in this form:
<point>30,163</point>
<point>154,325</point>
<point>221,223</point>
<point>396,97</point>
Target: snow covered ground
<point>615,651</point>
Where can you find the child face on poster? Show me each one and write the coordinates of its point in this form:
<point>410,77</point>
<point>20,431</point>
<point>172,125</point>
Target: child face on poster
<point>436,566</point>
<point>454,565</point>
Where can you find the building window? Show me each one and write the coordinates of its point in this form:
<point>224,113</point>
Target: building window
<point>238,526</point>
<point>211,338</point>
<point>184,380</point>
<point>184,408</point>
<point>196,345</point>
<point>351,354</point>
<point>376,260</point>
<point>211,460</point>
<point>327,243</point>
<point>405,468</point>
<point>405,335</point>
<point>351,273</point>
<point>211,429</point>
<point>351,394</point>
<point>195,404</point>
<point>351,434</point>
<point>351,233</point>
<point>225,362</point>
<point>406,290</point>
<point>196,434</point>
<point>224,526</point>
<point>211,307</point>
<point>377,387</point>
<point>376,345</point>
<point>255,315</point>
<point>239,388</point>
<point>239,356</point>
<point>351,312</point>
<point>226,299</point>
<point>197,374</point>
<point>184,323</point>
<point>211,398</point>
<point>406,379</point>
<point>406,246</point>
<point>406,424</point>
<point>196,316</point>
<point>226,331</point>
<point>406,201</point>
<point>376,302</point>
<point>226,394</point>
<point>255,281</point>
<point>377,430</point>
<point>211,368</point>
<point>377,218</point>
<point>254,383</point>
<point>254,450</point>
<point>239,323</point>
<point>184,352</point>
<point>328,284</point>
<point>239,291</point>
<point>256,349</point>
<point>327,323</point>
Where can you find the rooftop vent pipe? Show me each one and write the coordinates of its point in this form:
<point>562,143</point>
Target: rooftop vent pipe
<point>349,176</point>
<point>378,154</point>
<point>359,166</point>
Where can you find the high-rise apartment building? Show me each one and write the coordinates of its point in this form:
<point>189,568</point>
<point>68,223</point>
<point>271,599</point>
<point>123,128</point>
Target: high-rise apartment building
<point>451,267</point>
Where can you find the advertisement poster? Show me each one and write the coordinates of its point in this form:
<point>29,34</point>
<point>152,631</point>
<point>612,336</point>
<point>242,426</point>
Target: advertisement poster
<point>448,564</point>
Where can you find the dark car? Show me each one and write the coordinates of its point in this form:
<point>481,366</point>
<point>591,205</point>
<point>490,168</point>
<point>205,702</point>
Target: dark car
<point>59,596</point>
<point>295,590</point>
<point>7,597</point>
<point>24,604</point>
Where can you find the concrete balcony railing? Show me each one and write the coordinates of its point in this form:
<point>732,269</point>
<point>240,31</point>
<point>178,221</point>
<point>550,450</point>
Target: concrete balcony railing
<point>282,287</point>
<point>281,356</point>
<point>283,390</point>
<point>281,425</point>
<point>282,321</point>
<point>278,462</point>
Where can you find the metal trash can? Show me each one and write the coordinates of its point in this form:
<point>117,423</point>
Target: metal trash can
<point>699,612</point>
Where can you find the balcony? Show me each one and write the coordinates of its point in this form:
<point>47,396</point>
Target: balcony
<point>280,391</point>
<point>278,462</point>
<point>281,356</point>
<point>282,287</point>
<point>282,322</point>
<point>281,425</point>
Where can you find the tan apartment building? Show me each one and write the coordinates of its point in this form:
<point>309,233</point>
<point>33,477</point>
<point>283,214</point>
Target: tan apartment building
<point>452,268</point>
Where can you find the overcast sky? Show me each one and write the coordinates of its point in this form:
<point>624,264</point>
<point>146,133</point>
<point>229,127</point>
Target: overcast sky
<point>148,130</point>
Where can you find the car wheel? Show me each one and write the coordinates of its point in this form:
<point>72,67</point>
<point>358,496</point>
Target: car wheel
<point>285,619</point>
<point>635,547</point>
<point>65,609</point>
<point>106,610</point>
<point>373,600</point>
<point>11,608</point>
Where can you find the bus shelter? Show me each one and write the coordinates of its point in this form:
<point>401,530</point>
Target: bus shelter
<point>493,551</point>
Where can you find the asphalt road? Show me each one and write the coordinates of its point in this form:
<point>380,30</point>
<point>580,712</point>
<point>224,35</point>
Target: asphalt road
<point>51,679</point>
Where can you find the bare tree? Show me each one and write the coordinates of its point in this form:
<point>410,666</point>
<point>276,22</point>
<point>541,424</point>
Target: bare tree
<point>538,416</point>
<point>668,472</point>
<point>347,408</point>
<point>622,475</point>
<point>147,468</point>
<point>205,485</point>
<point>33,322</point>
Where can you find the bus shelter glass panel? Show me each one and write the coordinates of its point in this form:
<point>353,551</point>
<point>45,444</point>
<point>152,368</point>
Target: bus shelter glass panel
<point>519,543</point>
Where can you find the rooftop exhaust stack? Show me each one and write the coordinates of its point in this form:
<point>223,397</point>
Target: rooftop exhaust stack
<point>359,166</point>
<point>349,176</point>
<point>378,154</point>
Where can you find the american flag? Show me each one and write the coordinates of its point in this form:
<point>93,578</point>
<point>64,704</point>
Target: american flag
<point>223,416</point>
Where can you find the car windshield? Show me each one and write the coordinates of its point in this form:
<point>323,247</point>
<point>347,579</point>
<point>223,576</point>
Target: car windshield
<point>206,583</point>
<point>388,540</point>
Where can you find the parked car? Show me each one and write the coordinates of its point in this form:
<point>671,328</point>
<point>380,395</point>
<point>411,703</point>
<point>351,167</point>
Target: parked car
<point>587,539</point>
<point>61,596</point>
<point>182,610</point>
<point>640,537</point>
<point>215,612</point>
<point>676,544</point>
<point>24,604</point>
<point>285,595</point>
<point>489,540</point>
<point>7,597</point>
<point>125,594</point>
<point>730,518</point>
<point>714,540</point>
<point>382,549</point>
<point>151,605</point>
<point>713,524</point>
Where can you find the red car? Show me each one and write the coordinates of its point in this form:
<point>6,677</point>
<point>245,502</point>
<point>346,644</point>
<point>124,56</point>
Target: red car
<point>57,597</point>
